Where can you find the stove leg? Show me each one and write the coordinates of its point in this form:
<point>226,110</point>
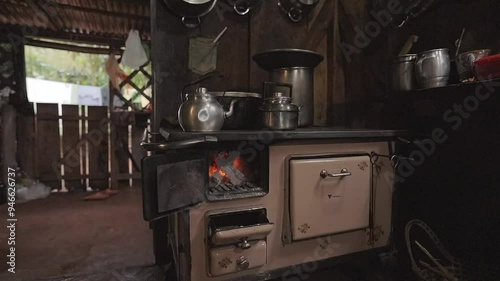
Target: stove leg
<point>161,248</point>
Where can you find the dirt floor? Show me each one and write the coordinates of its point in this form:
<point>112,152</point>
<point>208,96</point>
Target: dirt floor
<point>63,238</point>
<point>63,235</point>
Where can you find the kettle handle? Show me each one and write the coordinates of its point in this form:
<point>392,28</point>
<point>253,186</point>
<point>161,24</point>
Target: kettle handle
<point>210,75</point>
<point>268,83</point>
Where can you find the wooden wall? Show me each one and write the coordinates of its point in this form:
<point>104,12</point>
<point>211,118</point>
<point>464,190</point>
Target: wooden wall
<point>339,87</point>
<point>70,146</point>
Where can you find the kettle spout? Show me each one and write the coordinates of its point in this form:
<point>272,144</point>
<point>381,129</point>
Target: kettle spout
<point>231,109</point>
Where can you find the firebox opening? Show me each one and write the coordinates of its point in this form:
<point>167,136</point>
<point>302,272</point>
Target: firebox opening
<point>231,175</point>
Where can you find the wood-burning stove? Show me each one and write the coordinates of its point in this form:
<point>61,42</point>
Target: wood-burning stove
<point>238,211</point>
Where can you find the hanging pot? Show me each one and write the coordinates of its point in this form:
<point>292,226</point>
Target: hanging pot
<point>242,7</point>
<point>296,10</point>
<point>191,11</point>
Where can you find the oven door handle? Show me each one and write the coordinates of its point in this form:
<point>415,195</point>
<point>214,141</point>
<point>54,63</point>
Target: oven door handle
<point>343,173</point>
<point>165,146</point>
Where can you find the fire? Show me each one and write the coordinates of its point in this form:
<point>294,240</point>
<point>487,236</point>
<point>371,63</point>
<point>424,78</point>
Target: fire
<point>216,170</point>
<point>238,163</point>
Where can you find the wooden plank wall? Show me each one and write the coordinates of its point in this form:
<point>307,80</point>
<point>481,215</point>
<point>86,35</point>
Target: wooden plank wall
<point>265,28</point>
<point>97,144</point>
<point>26,141</point>
<point>67,148</point>
<point>341,89</point>
<point>48,142</point>
<point>72,152</point>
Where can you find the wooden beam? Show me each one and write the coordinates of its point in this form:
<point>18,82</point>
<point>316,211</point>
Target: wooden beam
<point>319,26</point>
<point>67,47</point>
<point>101,12</point>
<point>104,39</point>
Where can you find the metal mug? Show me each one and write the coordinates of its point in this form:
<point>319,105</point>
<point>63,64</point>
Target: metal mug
<point>433,68</point>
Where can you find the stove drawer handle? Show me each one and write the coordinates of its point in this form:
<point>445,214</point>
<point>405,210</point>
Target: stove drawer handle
<point>343,173</point>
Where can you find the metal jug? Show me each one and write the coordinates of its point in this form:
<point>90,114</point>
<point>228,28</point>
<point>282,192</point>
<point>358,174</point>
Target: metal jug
<point>201,112</point>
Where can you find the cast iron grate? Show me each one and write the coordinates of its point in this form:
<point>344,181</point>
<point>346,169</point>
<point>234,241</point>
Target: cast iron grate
<point>228,189</point>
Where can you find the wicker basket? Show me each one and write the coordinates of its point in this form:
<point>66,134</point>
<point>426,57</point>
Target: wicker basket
<point>441,265</point>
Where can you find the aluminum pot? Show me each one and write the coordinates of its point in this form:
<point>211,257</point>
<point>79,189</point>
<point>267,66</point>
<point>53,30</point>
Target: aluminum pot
<point>295,67</point>
<point>302,79</point>
<point>279,113</point>
<point>433,68</point>
<point>191,11</point>
<point>402,73</point>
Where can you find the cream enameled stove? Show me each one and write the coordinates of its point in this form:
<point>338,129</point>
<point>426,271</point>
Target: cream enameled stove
<point>321,199</point>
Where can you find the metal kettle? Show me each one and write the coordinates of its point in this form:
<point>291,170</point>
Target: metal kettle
<point>201,112</point>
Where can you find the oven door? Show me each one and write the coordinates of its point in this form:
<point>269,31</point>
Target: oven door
<point>174,180</point>
<point>329,195</point>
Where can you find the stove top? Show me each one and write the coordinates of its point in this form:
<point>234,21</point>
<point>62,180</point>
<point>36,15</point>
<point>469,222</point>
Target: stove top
<point>298,134</point>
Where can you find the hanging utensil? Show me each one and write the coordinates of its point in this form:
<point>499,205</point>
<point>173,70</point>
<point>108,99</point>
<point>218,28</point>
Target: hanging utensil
<point>242,7</point>
<point>408,45</point>
<point>458,43</point>
<point>296,10</point>
<point>191,11</point>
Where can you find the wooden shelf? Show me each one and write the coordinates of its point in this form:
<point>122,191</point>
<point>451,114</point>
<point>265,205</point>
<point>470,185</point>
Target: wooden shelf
<point>447,92</point>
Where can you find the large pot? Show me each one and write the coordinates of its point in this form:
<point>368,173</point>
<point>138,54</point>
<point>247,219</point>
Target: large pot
<point>191,11</point>
<point>295,67</point>
<point>403,73</point>
<point>245,109</point>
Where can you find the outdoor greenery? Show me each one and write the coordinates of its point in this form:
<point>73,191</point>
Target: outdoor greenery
<point>66,66</point>
<point>80,68</point>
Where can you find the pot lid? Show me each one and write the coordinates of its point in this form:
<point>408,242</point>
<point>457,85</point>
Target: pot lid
<point>233,94</point>
<point>200,92</point>
<point>196,2</point>
<point>433,51</point>
<point>308,2</point>
<point>283,58</point>
<point>279,103</point>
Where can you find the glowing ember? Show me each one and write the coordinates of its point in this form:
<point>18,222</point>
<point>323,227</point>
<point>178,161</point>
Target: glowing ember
<point>227,167</point>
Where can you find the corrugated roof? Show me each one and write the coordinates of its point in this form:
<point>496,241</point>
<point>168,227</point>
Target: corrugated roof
<point>91,18</point>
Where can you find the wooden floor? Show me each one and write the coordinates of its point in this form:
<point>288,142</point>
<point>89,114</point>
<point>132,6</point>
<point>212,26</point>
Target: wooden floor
<point>63,235</point>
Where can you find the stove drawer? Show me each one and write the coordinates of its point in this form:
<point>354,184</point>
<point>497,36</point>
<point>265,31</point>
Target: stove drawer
<point>230,259</point>
<point>329,195</point>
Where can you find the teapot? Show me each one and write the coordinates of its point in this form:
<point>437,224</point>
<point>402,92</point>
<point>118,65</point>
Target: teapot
<point>201,112</point>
